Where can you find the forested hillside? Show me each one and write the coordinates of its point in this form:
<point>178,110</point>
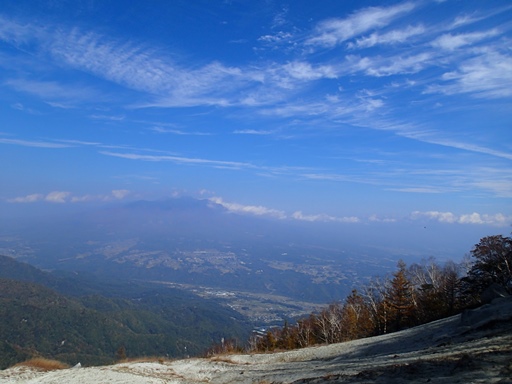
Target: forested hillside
<point>98,328</point>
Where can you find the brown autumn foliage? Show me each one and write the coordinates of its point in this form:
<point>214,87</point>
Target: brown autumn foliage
<point>43,364</point>
<point>411,296</point>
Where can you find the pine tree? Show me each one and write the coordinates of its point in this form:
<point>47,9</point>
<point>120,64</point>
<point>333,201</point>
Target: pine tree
<point>400,300</point>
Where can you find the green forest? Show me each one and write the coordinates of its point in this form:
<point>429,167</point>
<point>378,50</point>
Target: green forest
<point>74,322</point>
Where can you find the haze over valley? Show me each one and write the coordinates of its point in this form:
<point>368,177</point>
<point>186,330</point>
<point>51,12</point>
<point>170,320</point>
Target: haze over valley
<point>265,268</point>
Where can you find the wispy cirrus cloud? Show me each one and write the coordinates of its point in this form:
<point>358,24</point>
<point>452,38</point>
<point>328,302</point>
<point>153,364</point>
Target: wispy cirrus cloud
<point>488,75</point>
<point>165,82</point>
<point>435,137</point>
<point>159,129</point>
<point>262,170</point>
<point>276,38</point>
<point>56,94</point>
<point>301,70</point>
<point>138,68</point>
<point>332,32</point>
<point>180,160</point>
<point>398,65</point>
<point>129,64</point>
<point>447,179</point>
<point>36,144</point>
<point>495,180</point>
<point>252,132</point>
<point>451,42</point>
<point>465,19</point>
<point>423,189</point>
<point>392,37</point>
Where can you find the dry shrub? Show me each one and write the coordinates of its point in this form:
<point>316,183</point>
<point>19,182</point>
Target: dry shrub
<point>146,359</point>
<point>43,364</point>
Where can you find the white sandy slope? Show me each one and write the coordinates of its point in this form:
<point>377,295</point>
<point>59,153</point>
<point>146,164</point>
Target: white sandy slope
<point>473,348</point>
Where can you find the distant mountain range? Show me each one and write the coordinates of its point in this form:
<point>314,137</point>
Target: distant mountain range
<point>198,242</point>
<point>73,318</point>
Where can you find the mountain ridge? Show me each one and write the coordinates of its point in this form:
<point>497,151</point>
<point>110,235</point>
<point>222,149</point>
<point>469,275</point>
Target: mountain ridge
<point>186,240</point>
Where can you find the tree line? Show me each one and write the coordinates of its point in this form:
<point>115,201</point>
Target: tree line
<point>411,296</point>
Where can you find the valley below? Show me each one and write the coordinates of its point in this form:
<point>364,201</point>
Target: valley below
<point>258,308</point>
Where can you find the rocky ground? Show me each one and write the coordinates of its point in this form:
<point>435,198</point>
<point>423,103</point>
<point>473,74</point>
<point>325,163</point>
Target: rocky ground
<point>475,347</point>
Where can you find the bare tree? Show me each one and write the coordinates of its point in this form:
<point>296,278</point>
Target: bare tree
<point>374,294</point>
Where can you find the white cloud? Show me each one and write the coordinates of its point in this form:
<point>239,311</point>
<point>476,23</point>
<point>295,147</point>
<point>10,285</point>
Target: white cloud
<point>500,185</point>
<point>138,68</point>
<point>21,107</point>
<point>52,197</point>
<point>474,17</point>
<point>298,215</point>
<point>131,65</point>
<point>36,144</point>
<point>498,220</point>
<point>419,189</point>
<point>398,65</point>
<point>58,197</point>
<point>179,132</point>
<point>27,199</point>
<point>259,210</point>
<point>377,219</point>
<point>451,42</point>
<point>443,217</point>
<point>464,20</point>
<point>335,31</point>
<point>51,91</point>
<point>280,18</point>
<point>18,33</point>
<point>252,132</point>
<point>392,37</point>
<point>181,160</point>
<point>117,194</point>
<point>120,194</point>
<point>488,75</point>
<point>301,70</point>
<point>107,117</point>
<point>66,197</point>
<point>278,37</point>
<point>256,210</point>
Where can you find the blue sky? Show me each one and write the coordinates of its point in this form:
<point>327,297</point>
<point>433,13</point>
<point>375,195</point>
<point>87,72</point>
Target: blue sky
<point>333,111</point>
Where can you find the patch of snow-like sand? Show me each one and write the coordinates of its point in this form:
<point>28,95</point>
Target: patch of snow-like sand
<point>473,348</point>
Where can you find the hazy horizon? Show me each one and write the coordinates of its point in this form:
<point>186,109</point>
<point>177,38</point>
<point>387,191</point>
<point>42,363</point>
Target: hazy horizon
<point>389,123</point>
